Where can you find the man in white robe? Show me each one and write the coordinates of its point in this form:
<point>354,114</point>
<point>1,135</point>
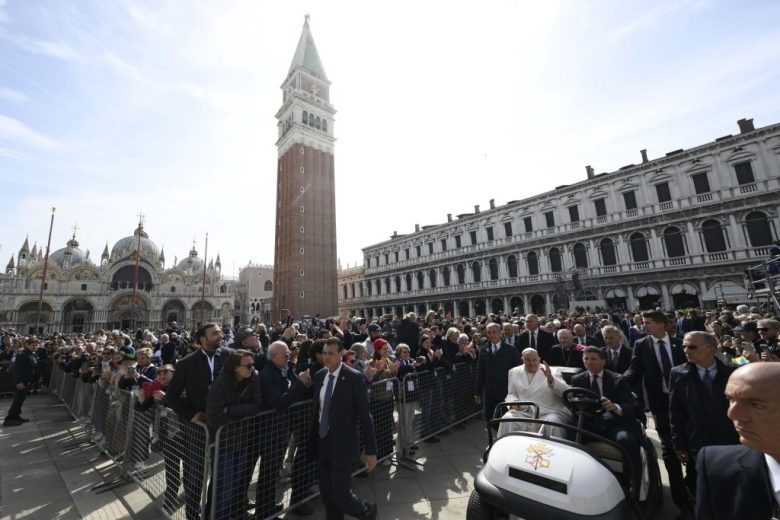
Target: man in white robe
<point>536,381</point>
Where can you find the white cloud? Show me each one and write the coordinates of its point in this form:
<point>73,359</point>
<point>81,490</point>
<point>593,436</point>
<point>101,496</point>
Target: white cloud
<point>14,130</point>
<point>13,95</point>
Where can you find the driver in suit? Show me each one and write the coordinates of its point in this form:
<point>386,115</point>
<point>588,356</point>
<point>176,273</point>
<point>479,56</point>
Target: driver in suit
<point>743,481</point>
<point>617,421</point>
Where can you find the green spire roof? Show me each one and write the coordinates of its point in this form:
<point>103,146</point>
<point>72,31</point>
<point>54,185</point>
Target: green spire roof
<point>306,55</point>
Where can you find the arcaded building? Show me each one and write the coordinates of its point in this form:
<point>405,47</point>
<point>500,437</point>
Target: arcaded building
<point>305,269</point>
<point>675,231</point>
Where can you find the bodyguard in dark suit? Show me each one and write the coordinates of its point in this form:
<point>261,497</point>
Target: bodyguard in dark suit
<point>618,422</point>
<point>618,356</point>
<point>25,371</point>
<point>651,363</point>
<point>537,338</point>
<point>187,396</point>
<point>496,359</point>
<point>697,403</point>
<point>740,481</point>
<point>340,401</point>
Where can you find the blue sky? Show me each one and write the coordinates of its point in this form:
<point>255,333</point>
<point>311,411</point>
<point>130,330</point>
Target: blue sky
<point>111,108</point>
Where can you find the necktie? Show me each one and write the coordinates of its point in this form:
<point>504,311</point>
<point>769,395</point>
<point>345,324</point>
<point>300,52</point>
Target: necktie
<point>614,355</point>
<point>495,349</point>
<point>665,362</point>
<point>533,340</point>
<point>325,419</point>
<point>594,386</point>
<point>707,380</point>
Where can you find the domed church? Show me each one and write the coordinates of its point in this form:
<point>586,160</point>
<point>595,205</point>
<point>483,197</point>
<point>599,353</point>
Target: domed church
<point>129,287</point>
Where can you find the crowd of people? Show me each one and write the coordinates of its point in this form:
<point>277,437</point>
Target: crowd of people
<point>675,365</point>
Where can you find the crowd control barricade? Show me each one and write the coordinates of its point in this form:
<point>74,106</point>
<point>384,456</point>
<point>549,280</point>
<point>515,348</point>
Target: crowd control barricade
<point>381,404</point>
<point>68,390</point>
<point>263,459</point>
<point>55,381</point>
<point>433,401</point>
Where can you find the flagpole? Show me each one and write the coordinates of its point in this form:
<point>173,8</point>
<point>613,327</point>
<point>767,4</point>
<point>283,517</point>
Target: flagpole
<point>203,288</point>
<point>45,269</point>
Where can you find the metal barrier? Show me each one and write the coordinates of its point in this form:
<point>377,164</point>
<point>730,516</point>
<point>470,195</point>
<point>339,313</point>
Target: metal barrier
<point>265,457</point>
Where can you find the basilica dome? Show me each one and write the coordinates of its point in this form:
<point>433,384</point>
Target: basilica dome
<point>126,246</point>
<point>191,263</point>
<point>77,256</point>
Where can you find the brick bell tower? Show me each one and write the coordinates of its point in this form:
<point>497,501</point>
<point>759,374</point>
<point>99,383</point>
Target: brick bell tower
<point>305,270</point>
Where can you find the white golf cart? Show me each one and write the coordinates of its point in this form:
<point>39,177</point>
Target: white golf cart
<point>538,477</point>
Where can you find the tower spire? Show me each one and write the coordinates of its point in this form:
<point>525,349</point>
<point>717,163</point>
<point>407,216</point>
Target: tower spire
<point>306,55</point>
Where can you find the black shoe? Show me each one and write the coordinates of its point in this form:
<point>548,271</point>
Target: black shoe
<point>12,422</point>
<point>304,509</point>
<point>432,440</point>
<point>370,513</point>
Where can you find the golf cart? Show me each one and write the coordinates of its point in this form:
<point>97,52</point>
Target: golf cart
<point>535,476</point>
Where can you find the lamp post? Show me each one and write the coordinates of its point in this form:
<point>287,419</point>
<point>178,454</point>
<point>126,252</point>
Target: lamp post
<point>45,269</point>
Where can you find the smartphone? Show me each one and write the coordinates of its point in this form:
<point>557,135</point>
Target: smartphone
<point>151,388</point>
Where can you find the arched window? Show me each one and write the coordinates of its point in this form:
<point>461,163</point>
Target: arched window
<point>511,264</point>
<point>580,256</point>
<point>397,284</point>
<point>420,280</point>
<point>360,287</point>
<point>317,123</point>
<point>324,125</point>
<point>352,289</point>
<point>461,271</point>
<point>378,286</point>
<point>344,288</point>
<point>714,240</point>
<point>432,276</point>
<point>758,229</point>
<point>493,268</point>
<point>370,287</point>
<point>445,275</point>
<point>387,285</point>
<point>305,117</point>
<point>83,287</point>
<point>639,248</point>
<point>476,272</point>
<point>533,263</point>
<point>408,282</point>
<point>311,119</point>
<point>556,266</point>
<point>674,242</point>
<point>267,286</point>
<point>608,256</point>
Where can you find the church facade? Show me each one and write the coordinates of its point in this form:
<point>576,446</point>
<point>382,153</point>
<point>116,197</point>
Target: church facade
<point>129,287</point>
<point>676,231</point>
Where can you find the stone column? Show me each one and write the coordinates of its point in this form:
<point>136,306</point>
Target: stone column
<point>471,308</point>
<point>694,243</point>
<point>631,300</point>
<point>666,299</point>
<point>737,236</point>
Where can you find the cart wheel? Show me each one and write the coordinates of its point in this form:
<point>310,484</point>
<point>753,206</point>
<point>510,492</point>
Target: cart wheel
<point>478,509</point>
<point>655,490</point>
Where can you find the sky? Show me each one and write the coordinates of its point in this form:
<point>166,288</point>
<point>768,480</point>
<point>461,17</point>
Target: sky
<point>111,109</point>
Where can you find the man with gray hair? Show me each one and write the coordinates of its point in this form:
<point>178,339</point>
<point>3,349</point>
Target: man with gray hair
<point>496,358</point>
<point>697,403</point>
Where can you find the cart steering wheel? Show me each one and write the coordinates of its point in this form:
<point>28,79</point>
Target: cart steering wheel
<point>582,401</point>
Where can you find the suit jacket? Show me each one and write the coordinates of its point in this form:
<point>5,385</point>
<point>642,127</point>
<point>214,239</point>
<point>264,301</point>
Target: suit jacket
<point>189,387</point>
<point>280,392</point>
<point>615,389</point>
<point>589,340</point>
<point>548,399</point>
<point>644,367</point>
<point>572,358</point>
<point>544,342</point>
<point>697,418</point>
<point>513,340</point>
<point>348,406</point>
<point>624,359</point>
<point>733,482</point>
<point>493,371</point>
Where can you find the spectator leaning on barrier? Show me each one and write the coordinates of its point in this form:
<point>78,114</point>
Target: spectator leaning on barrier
<point>25,370</point>
<point>281,388</point>
<point>234,395</point>
<point>187,396</point>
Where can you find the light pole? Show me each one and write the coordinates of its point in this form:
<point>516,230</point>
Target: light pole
<point>45,269</point>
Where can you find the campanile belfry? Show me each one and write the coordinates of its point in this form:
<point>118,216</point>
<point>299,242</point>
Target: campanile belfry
<point>305,271</point>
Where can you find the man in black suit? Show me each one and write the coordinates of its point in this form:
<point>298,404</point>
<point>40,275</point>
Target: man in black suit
<point>25,371</point>
<point>281,388</point>
<point>618,356</point>
<point>496,358</point>
<point>537,338</point>
<point>187,395</point>
<point>618,422</point>
<point>741,481</point>
<point>581,336</point>
<point>652,361</point>
<point>341,399</point>
<point>508,335</point>
<point>697,404</point>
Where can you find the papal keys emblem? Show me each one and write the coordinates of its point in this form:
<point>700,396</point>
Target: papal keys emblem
<point>539,455</point>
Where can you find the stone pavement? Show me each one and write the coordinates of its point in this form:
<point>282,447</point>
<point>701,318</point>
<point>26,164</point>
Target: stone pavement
<point>47,471</point>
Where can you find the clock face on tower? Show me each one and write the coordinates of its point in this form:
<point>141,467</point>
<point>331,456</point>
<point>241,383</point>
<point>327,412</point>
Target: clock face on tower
<point>314,89</point>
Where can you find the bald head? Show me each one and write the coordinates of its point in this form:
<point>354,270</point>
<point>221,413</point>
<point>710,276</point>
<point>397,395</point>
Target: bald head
<point>752,391</point>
